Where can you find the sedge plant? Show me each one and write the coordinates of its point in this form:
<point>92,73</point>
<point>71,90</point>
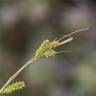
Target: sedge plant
<point>46,49</point>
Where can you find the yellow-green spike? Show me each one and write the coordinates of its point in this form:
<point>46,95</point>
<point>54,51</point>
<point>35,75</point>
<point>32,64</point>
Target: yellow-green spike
<point>13,87</point>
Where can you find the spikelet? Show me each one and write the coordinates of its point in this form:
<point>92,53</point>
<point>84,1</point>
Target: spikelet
<point>42,49</point>
<point>13,87</point>
<point>50,53</point>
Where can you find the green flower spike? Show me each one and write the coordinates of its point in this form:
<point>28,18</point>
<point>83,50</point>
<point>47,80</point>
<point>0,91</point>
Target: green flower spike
<point>13,87</point>
<point>42,49</point>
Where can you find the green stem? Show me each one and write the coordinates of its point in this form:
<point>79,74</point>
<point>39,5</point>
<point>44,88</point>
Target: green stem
<point>18,72</point>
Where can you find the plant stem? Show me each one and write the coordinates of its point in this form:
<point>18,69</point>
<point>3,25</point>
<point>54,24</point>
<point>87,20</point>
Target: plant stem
<point>18,72</point>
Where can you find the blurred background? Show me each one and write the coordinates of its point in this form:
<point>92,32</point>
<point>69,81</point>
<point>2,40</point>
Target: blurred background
<point>24,24</point>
